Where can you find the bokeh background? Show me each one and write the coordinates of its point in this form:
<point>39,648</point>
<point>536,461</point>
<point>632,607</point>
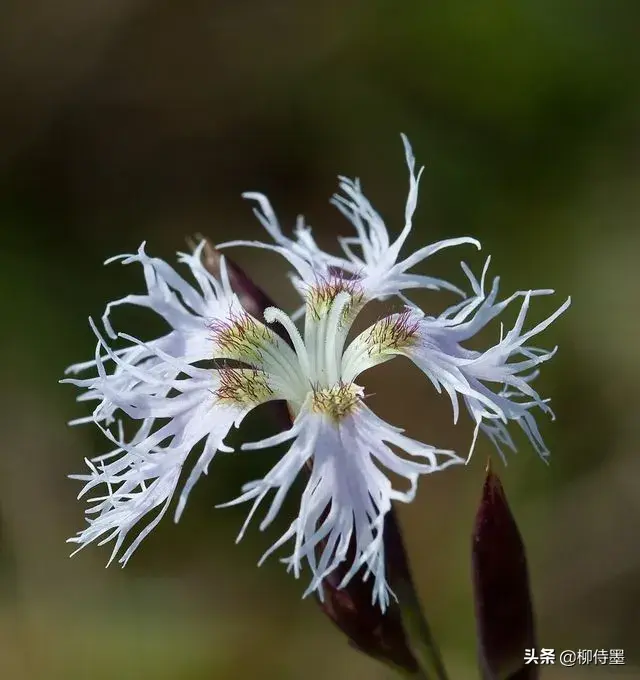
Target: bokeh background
<point>131,120</point>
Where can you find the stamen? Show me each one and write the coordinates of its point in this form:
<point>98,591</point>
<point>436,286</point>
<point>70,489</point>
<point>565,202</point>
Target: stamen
<point>272,314</point>
<point>333,343</point>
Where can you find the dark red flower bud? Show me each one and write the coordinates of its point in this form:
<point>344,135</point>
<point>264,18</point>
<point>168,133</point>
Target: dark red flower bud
<point>504,613</point>
<point>381,636</point>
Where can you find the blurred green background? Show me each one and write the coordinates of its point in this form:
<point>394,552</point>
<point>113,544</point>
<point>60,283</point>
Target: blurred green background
<point>131,120</point>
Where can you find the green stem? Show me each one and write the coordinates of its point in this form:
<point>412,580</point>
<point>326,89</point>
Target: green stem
<point>419,635</point>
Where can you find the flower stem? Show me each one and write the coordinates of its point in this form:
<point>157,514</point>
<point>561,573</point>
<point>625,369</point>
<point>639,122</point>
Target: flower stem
<point>419,635</point>
<point>416,629</point>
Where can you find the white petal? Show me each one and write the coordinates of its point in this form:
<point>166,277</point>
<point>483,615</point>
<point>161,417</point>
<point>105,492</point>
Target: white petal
<point>376,266</point>
<point>178,405</point>
<point>347,494</point>
<point>435,345</point>
<point>142,475</point>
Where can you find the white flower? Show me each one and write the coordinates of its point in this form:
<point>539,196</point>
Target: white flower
<point>179,405</point>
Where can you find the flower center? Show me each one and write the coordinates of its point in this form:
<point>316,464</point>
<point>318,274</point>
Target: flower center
<point>337,401</point>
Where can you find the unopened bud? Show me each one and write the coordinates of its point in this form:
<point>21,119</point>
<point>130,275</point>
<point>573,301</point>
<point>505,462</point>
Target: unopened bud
<point>504,613</point>
<point>380,635</point>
